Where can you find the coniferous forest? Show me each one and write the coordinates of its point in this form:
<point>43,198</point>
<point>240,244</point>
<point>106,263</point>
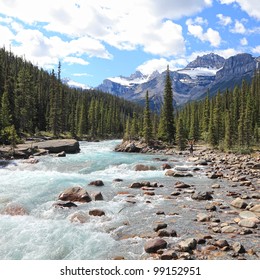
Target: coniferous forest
<point>34,101</point>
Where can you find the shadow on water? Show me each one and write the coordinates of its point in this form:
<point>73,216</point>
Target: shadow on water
<point>5,163</point>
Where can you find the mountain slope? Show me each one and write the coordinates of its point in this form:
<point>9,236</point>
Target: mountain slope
<point>209,72</point>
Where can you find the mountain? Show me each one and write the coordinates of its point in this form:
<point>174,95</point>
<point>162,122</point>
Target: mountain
<point>208,72</point>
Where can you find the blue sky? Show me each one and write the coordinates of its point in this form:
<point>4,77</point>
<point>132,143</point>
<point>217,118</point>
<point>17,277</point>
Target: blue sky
<point>96,39</point>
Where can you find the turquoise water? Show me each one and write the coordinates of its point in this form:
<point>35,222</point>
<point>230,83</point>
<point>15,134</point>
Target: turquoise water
<point>48,233</point>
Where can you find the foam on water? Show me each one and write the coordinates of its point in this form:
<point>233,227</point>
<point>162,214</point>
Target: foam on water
<point>48,233</point>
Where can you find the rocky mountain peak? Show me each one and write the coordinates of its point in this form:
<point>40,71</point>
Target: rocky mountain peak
<point>207,61</point>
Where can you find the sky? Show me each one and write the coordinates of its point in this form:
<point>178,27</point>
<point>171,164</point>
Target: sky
<point>97,39</point>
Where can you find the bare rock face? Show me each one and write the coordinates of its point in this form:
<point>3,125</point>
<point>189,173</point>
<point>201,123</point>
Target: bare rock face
<point>152,246</point>
<point>75,194</point>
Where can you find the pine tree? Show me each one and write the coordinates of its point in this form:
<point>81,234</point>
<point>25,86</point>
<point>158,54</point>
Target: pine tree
<point>147,125</point>
<point>166,126</point>
<point>228,130</point>
<point>180,135</point>
<point>5,109</point>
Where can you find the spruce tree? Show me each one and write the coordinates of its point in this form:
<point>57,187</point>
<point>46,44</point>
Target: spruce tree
<point>147,125</point>
<point>166,126</point>
<point>180,135</point>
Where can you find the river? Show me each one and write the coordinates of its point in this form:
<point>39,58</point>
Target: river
<point>48,233</point>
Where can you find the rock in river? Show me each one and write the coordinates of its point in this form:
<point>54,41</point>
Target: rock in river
<point>75,194</point>
<point>239,203</point>
<point>202,196</point>
<point>152,246</point>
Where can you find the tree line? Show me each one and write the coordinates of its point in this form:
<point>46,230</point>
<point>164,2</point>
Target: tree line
<point>228,121</point>
<point>33,101</point>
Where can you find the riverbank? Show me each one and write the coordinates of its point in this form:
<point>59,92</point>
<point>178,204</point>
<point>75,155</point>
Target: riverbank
<point>227,212</point>
<point>168,205</point>
<point>40,147</point>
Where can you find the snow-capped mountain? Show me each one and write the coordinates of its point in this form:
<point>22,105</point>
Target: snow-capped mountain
<point>208,72</point>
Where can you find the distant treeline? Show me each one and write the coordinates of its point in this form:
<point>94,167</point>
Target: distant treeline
<point>228,121</point>
<point>33,101</point>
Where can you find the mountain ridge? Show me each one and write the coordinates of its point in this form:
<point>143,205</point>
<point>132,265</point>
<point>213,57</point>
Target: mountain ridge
<point>209,72</point>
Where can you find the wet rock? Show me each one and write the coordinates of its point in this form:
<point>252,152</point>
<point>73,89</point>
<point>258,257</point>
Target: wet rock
<point>177,173</point>
<point>61,154</point>
<point>202,162</point>
<point>149,193</point>
<point>118,180</point>
<point>201,217</point>
<point>169,255</point>
<point>14,209</point>
<point>239,203</point>
<point>202,196</point>
<point>97,183</point>
<point>96,212</point>
<point>97,196</point>
<point>31,160</point>
<point>228,229</point>
<point>215,175</point>
<point>166,166</point>
<point>79,217</point>
<point>142,167</point>
<point>238,248</point>
<point>175,193</point>
<point>56,146</point>
<point>245,231</point>
<point>255,208</point>
<point>188,244</point>
<point>181,185</point>
<point>160,213</point>
<point>152,246</point>
<point>75,194</point>
<point>65,204</point>
<point>211,207</point>
<point>135,185</point>
<point>221,243</point>
<point>248,223</point>
<point>215,186</point>
<point>256,166</point>
<point>118,258</point>
<point>166,233</point>
<point>160,226</point>
<point>247,214</point>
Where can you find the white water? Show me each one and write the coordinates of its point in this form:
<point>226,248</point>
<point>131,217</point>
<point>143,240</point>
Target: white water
<point>48,233</point>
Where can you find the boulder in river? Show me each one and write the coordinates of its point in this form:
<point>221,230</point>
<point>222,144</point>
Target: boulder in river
<point>152,246</point>
<point>239,203</point>
<point>202,196</point>
<point>188,244</point>
<point>97,183</point>
<point>248,223</point>
<point>14,209</point>
<point>97,196</point>
<point>96,212</point>
<point>142,167</point>
<point>75,194</point>
<point>69,146</point>
<point>65,204</point>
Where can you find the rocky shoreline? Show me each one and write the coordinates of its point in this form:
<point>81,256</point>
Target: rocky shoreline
<point>222,219</point>
<point>228,212</point>
<point>40,147</point>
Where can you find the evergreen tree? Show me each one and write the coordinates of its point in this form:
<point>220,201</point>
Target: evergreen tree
<point>166,126</point>
<point>180,135</point>
<point>147,127</point>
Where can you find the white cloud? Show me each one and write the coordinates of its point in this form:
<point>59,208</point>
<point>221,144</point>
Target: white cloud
<point>126,25</point>
<point>211,36</point>
<point>6,36</point>
<point>224,20</point>
<point>82,75</point>
<point>238,28</point>
<point>252,7</point>
<point>75,60</point>
<point>256,50</point>
<point>243,42</point>
<point>160,65</point>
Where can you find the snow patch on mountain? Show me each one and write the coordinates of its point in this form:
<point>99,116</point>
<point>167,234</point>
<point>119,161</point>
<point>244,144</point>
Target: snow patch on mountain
<point>198,71</point>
